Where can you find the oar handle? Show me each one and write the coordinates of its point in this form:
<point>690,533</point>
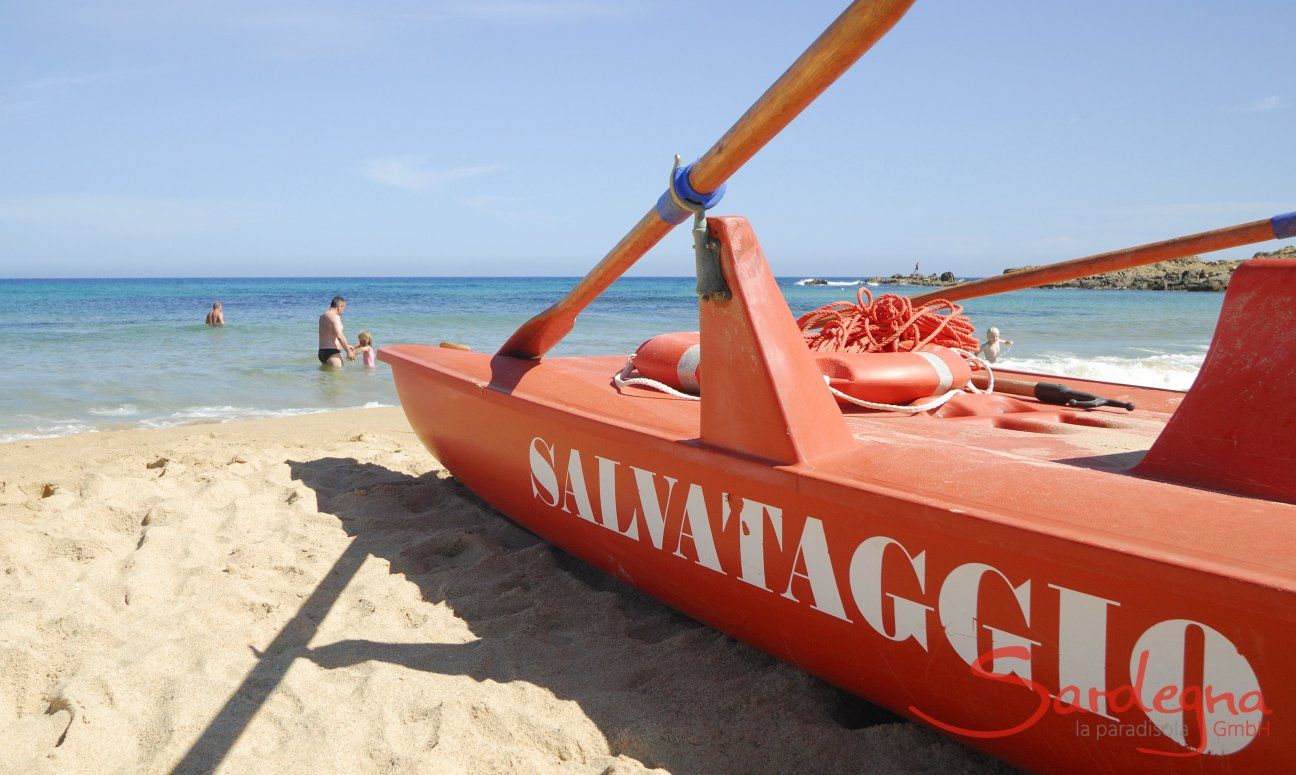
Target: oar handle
<point>1278,227</point>
<point>854,32</point>
<point>1049,393</point>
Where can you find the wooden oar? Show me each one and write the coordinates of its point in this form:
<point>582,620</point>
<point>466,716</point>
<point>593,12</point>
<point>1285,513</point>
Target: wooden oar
<point>1278,227</point>
<point>845,41</point>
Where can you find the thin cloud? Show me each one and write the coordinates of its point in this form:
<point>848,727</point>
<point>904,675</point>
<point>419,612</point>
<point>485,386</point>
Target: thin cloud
<point>415,173</point>
<point>1272,102</point>
<point>81,79</point>
<point>512,208</point>
<point>310,28</point>
<point>42,95</point>
<point>534,10</point>
<point>485,201</point>
<point>134,216</point>
<point>19,109</point>
<point>1258,209</point>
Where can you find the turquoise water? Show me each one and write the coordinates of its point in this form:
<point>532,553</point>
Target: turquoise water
<point>90,355</point>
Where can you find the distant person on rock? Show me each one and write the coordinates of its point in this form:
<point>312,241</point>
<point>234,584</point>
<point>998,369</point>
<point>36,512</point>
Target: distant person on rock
<point>216,317</point>
<point>992,348</point>
<point>332,341</point>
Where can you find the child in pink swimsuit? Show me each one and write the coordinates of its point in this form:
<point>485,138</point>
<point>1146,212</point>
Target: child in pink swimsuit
<point>366,349</point>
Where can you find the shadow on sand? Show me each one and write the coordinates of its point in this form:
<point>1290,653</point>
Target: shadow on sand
<point>656,683</point>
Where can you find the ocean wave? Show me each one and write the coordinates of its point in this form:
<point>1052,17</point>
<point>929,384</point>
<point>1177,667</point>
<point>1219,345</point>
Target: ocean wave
<point>200,414</point>
<point>1174,371</point>
<point>51,431</point>
<point>125,410</point>
<point>813,281</point>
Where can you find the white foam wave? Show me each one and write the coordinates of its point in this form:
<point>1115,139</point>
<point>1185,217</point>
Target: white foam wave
<point>1174,371</point>
<point>50,431</point>
<point>831,283</point>
<point>199,414</point>
<point>125,410</point>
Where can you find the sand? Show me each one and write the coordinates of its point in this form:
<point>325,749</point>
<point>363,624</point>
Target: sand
<point>315,594</point>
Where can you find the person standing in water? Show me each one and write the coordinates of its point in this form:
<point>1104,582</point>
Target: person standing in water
<point>992,348</point>
<point>216,317</point>
<point>365,349</point>
<point>332,341</point>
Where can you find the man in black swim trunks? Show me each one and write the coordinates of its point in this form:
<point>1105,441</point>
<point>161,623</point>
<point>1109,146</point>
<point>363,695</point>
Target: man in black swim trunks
<point>332,342</point>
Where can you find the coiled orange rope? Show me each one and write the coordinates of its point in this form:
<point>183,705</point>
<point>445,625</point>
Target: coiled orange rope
<point>889,323</point>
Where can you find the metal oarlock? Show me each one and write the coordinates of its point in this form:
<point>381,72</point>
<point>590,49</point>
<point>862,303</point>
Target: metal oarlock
<point>711,284</point>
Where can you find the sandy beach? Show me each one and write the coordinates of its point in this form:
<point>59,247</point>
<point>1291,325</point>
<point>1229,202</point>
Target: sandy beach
<point>315,594</point>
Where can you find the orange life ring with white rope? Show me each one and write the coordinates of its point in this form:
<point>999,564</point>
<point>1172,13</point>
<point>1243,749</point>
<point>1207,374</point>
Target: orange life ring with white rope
<point>672,359</point>
<point>675,360</point>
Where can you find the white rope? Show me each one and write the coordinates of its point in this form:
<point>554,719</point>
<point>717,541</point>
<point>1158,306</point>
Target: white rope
<point>985,365</point>
<point>623,378</point>
<point>935,403</point>
<point>926,406</point>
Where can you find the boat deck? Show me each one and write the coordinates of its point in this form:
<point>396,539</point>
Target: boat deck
<point>1066,472</point>
<point>1107,439</point>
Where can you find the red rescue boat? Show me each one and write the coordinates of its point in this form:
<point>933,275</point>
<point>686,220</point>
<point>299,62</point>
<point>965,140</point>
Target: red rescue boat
<point>1065,588</point>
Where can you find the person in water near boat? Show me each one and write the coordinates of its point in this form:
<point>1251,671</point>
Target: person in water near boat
<point>365,349</point>
<point>992,348</point>
<point>215,316</point>
<point>332,340</point>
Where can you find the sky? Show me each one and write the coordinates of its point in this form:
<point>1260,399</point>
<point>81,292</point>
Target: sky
<point>525,137</point>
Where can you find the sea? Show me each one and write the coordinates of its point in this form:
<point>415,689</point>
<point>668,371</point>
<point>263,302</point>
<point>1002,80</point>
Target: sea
<point>98,355</point>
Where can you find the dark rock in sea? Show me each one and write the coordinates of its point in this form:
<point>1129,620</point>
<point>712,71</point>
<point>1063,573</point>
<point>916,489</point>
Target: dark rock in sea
<point>1181,274</point>
<point>814,281</point>
<point>945,278</point>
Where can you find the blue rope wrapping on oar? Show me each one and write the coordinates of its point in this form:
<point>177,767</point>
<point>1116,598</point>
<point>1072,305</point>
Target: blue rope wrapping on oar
<point>1284,226</point>
<point>682,200</point>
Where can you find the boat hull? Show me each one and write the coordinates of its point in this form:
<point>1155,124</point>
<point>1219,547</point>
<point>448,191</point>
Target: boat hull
<point>971,620</point>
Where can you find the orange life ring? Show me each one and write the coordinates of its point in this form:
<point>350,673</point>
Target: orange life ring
<point>892,378</point>
<point>672,359</point>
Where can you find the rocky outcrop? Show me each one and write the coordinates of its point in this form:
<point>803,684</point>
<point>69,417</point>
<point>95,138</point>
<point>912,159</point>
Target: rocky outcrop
<point>944,278</point>
<point>1287,251</point>
<point>1181,274</point>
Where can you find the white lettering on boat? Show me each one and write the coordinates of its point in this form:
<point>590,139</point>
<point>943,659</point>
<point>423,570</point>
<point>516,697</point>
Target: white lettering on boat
<point>574,488</point>
<point>696,526</point>
<point>675,517</point>
<point>958,605</point>
<point>812,555</point>
<point>751,539</point>
<point>1082,647</point>
<point>542,471</point>
<point>866,588</point>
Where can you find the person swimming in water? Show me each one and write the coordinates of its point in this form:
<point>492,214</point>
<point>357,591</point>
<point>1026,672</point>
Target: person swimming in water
<point>215,317</point>
<point>992,348</point>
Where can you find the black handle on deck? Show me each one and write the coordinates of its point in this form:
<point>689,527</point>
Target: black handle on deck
<point>1061,395</point>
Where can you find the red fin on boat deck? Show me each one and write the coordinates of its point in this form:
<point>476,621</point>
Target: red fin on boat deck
<point>748,340</point>
<point>1234,430</point>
